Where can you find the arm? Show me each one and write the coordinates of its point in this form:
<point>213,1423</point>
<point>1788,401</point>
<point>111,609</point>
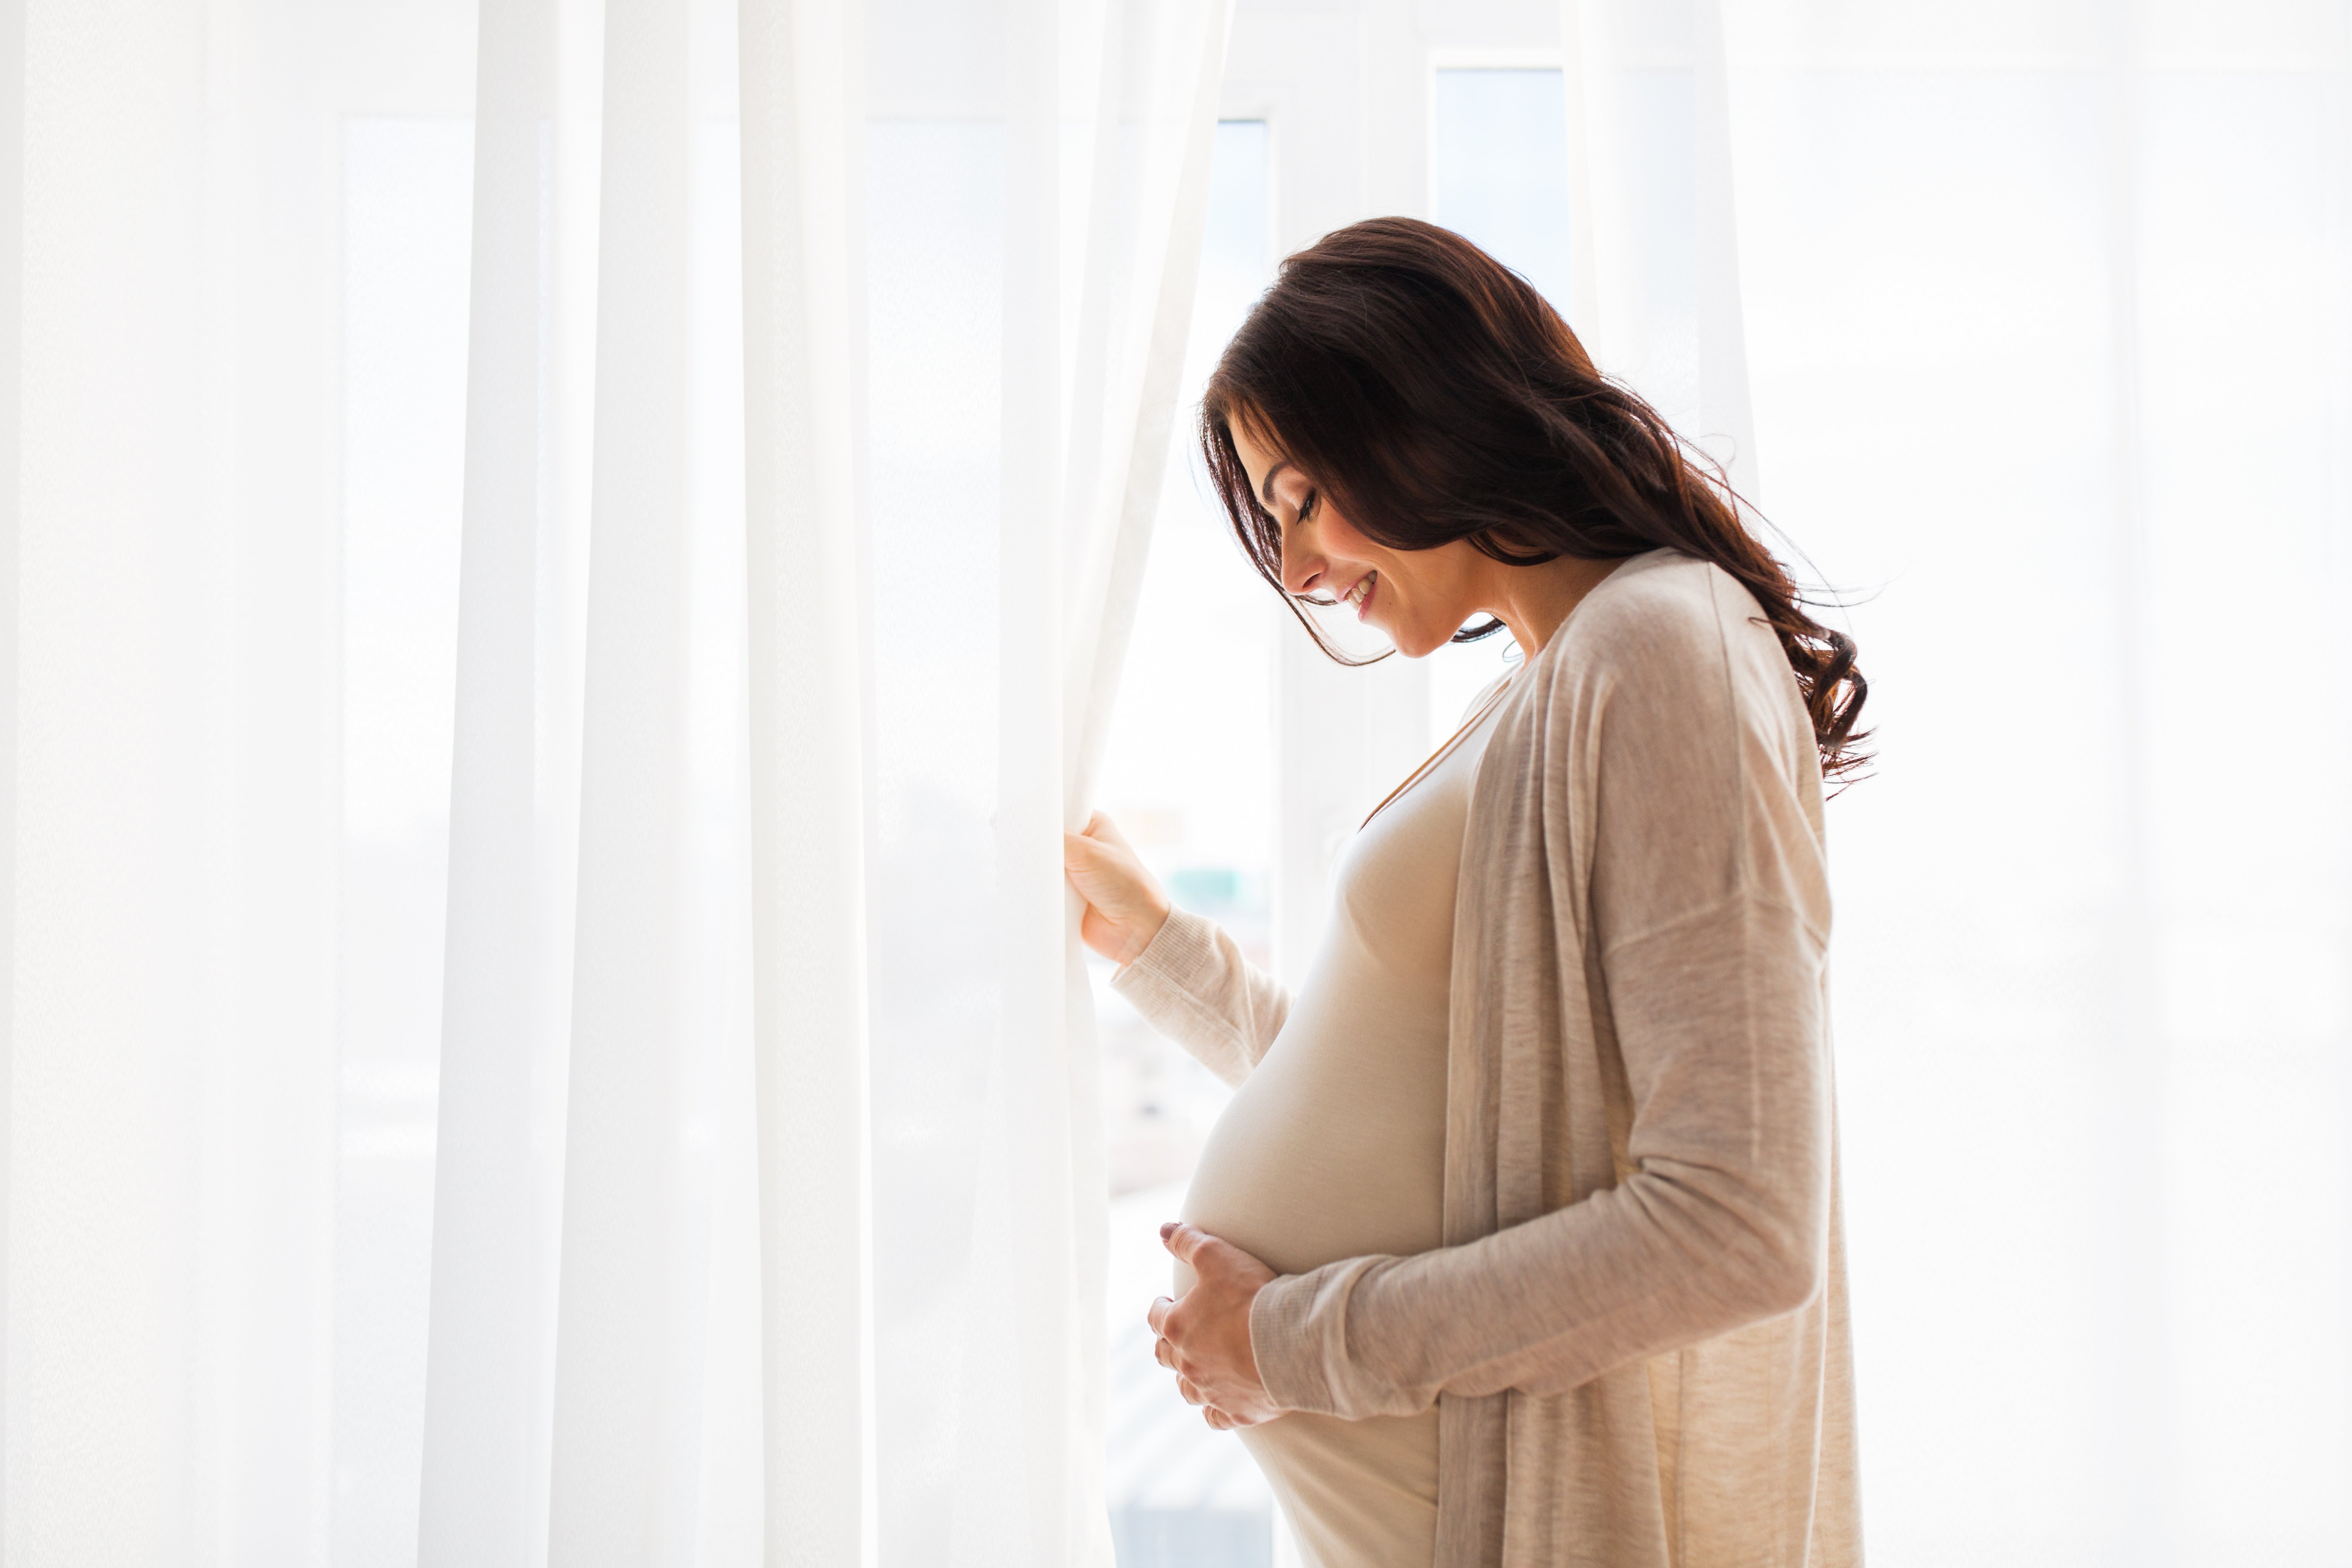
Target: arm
<point>1708,911</point>
<point>1192,985</point>
<point>1720,1223</point>
<point>1186,976</point>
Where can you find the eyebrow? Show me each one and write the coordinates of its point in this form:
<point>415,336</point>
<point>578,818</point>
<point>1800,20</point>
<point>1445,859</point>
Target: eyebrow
<point>1265,486</point>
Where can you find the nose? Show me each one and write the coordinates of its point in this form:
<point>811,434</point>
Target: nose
<point>1303,566</point>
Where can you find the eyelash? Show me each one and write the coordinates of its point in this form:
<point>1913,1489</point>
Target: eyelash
<point>1307,507</point>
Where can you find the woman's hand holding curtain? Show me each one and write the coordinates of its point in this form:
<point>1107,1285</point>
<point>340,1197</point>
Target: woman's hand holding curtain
<point>1124,905</point>
<point>1205,1337</point>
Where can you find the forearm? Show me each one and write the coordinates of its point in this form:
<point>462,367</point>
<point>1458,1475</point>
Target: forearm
<point>1644,1268</point>
<point>1193,983</point>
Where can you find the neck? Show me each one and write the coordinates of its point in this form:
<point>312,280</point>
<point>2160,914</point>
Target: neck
<point>1533,601</point>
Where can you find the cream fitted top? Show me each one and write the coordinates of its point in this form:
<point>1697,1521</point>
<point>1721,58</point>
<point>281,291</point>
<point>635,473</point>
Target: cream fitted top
<point>1334,1147</point>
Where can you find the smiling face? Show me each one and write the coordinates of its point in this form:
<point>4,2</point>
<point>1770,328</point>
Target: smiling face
<point>1419,597</point>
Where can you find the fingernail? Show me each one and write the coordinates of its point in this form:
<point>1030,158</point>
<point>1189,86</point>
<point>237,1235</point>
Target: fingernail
<point>1167,1230</point>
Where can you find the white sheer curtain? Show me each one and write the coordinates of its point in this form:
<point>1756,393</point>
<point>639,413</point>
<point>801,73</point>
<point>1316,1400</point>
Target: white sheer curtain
<point>172,651</point>
<point>818,365</point>
<point>1031,249</point>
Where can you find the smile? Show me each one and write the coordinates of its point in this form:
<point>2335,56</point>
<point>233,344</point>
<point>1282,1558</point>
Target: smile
<point>1361,595</point>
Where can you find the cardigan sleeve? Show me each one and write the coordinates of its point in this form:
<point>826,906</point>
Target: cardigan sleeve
<point>1708,916</point>
<point>1192,985</point>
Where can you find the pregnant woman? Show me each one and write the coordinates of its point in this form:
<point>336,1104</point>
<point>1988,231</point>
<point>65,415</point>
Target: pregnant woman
<point>1520,1243</point>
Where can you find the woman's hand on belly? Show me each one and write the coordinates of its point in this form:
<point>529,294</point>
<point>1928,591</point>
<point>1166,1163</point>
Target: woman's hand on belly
<point>1205,1337</point>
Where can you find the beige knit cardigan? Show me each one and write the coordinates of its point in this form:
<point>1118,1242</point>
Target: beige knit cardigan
<point>1635,1333</point>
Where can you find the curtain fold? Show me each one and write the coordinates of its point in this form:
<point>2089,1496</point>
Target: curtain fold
<point>1656,294</point>
<point>173,635</point>
<point>804,387</point>
<point>486,1343</point>
<point>1036,1119</point>
<point>606,1386</point>
<point>1104,236</point>
<point>620,1426</point>
<point>1725,414</point>
<point>1176,112</point>
<point>12,304</point>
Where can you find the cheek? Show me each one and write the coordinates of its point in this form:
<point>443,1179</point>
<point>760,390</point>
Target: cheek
<point>1421,579</point>
<point>1335,535</point>
<point>1339,537</point>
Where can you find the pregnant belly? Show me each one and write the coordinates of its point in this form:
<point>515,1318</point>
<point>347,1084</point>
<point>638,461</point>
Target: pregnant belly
<point>1335,1146</point>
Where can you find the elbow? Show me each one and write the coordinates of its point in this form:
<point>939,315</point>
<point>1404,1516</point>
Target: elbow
<point>1761,1246</point>
<point>1785,1280</point>
<point>1787,1264</point>
<point>1774,1259</point>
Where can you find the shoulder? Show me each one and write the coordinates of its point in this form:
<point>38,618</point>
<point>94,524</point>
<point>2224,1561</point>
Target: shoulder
<point>1673,649</point>
<point>1659,606</point>
<point>1663,622</point>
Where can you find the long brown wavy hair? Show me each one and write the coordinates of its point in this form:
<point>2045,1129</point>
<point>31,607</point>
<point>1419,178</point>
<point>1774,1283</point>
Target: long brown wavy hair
<point>1433,394</point>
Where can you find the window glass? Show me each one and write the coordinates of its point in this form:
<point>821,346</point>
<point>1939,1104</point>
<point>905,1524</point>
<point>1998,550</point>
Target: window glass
<point>1499,170</point>
<point>406,228</point>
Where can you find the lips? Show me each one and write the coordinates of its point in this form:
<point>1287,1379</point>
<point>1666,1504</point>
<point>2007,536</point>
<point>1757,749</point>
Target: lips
<point>1361,595</point>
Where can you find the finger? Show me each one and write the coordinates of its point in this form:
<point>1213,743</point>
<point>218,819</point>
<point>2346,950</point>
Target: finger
<point>1164,1354</point>
<point>1157,1318</point>
<point>1190,1391</point>
<point>1216,1417</point>
<point>1184,1240</point>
